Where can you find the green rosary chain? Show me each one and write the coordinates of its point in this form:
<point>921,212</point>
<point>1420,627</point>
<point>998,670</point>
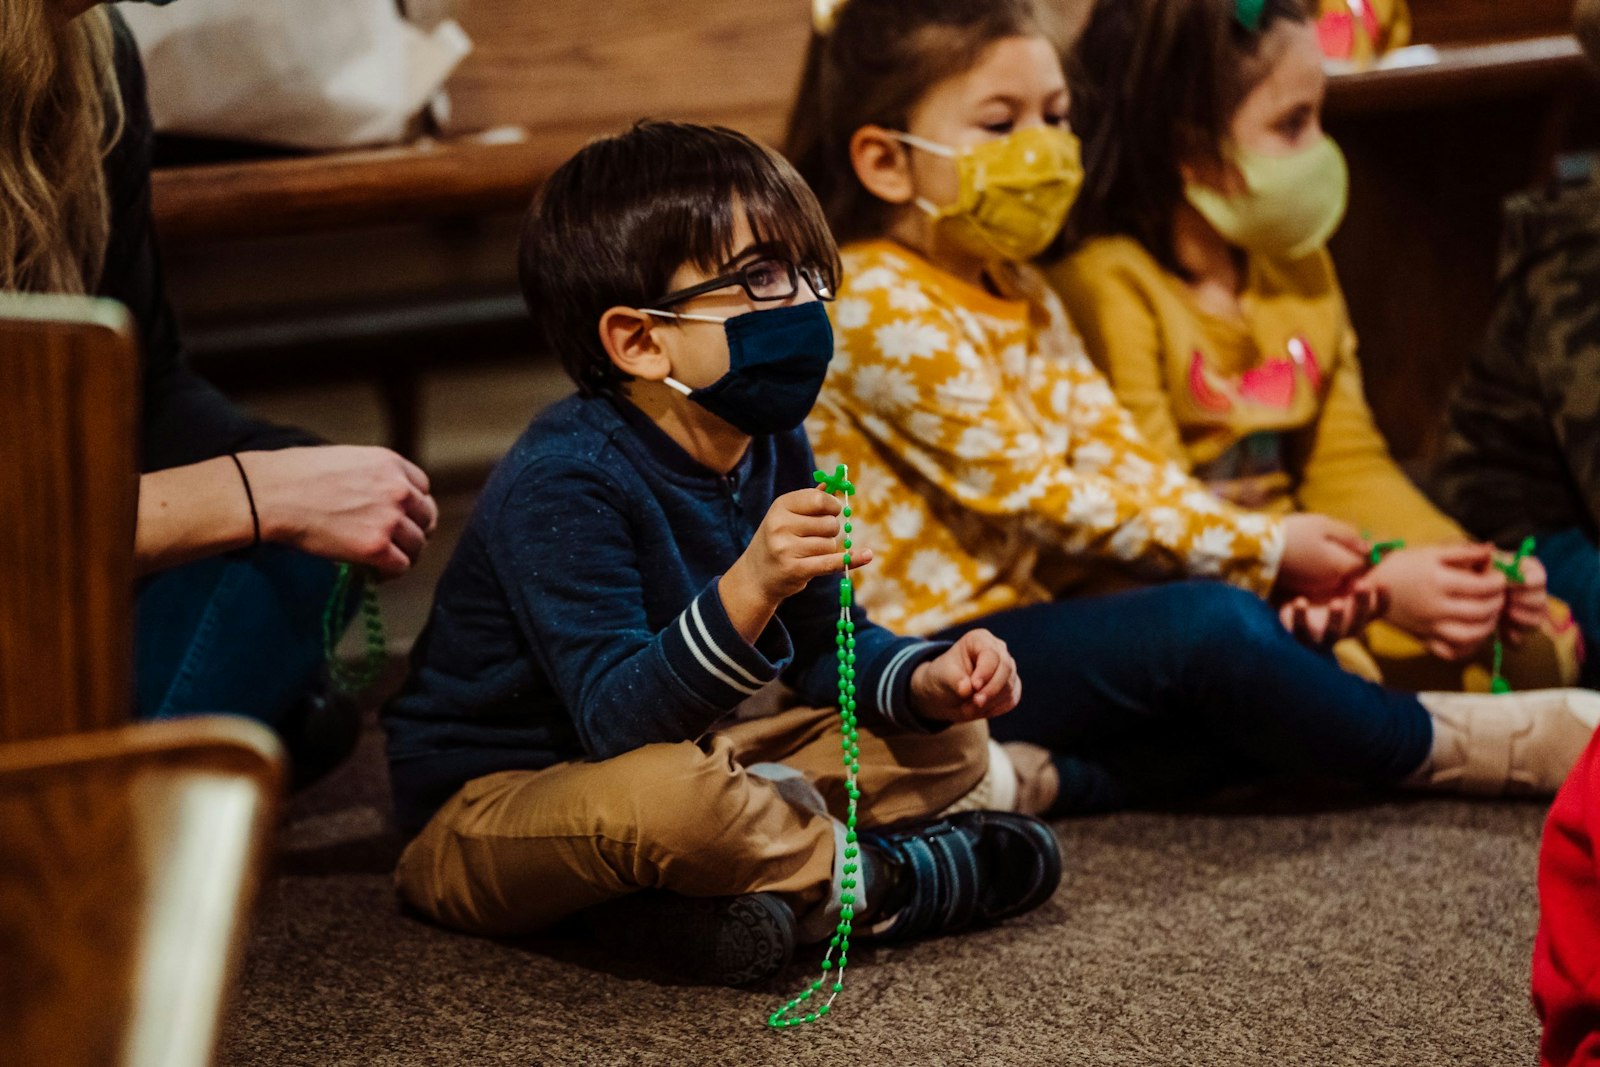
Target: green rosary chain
<point>1513,573</point>
<point>794,1012</point>
<point>349,680</point>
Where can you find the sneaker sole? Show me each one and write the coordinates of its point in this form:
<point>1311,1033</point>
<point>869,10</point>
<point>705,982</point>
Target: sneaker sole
<point>729,941</point>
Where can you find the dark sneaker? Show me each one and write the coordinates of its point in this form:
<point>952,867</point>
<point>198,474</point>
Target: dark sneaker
<point>320,732</point>
<point>722,940</point>
<point>962,870</point>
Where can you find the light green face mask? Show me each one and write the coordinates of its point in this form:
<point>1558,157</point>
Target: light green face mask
<point>1293,206</point>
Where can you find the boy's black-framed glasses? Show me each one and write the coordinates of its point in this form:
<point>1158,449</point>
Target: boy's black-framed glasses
<point>763,280</point>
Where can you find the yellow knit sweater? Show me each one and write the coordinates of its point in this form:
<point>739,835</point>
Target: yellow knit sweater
<point>995,466</point>
<point>1269,412</point>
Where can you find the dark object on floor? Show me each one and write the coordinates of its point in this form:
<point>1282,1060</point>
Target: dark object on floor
<point>726,941</point>
<point>321,733</point>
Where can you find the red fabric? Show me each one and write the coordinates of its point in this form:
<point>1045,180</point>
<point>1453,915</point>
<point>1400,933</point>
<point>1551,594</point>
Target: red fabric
<point>1566,953</point>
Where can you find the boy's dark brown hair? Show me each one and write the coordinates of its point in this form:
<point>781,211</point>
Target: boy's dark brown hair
<point>1155,83</point>
<point>870,69</point>
<point>614,223</point>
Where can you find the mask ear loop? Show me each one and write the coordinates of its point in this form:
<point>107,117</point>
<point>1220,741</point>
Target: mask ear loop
<point>669,380</point>
<point>933,148</point>
<point>690,318</point>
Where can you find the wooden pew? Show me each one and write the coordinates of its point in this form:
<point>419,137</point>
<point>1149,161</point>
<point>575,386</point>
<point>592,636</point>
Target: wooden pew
<point>129,863</point>
<point>68,491</point>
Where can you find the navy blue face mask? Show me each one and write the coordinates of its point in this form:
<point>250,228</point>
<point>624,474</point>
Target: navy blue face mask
<point>777,360</point>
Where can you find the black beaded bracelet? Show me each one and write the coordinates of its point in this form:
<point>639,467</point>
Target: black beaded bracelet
<point>255,517</point>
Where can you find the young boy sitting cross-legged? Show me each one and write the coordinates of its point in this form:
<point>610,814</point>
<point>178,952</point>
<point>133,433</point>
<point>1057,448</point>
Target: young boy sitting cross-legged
<point>627,680</point>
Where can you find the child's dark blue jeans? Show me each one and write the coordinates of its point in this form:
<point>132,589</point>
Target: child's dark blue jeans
<point>1163,692</point>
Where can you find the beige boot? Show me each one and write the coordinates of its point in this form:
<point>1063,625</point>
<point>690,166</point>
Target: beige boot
<point>1021,777</point>
<point>995,791</point>
<point>1038,781</point>
<point>1515,744</point>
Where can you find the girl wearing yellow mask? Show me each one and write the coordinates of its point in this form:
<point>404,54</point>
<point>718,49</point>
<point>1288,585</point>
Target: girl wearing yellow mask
<point>1001,479</point>
<point>1203,288</point>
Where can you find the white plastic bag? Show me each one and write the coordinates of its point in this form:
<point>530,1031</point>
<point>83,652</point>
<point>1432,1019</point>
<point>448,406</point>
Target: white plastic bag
<point>298,73</point>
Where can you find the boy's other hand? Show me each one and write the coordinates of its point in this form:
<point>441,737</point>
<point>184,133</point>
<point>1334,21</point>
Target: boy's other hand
<point>1321,557</point>
<point>1447,596</point>
<point>975,678</point>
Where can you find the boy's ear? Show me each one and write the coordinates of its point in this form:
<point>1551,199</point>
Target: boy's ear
<point>630,339</point>
<point>882,164</point>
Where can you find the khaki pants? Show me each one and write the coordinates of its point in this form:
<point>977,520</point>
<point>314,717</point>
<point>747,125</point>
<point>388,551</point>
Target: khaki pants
<point>514,852</point>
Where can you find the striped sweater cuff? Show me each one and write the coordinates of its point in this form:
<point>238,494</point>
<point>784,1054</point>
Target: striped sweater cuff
<point>713,660</point>
<point>890,686</point>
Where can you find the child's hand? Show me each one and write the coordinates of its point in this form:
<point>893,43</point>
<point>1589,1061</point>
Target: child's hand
<point>1527,604</point>
<point>976,678</point>
<point>798,540</point>
<point>1321,557</point>
<point>1447,596</point>
<point>1324,623</point>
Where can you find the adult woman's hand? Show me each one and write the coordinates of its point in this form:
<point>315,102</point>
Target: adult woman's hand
<point>349,503</point>
<point>346,502</point>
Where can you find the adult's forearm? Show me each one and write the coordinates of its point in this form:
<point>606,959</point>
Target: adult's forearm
<point>190,513</point>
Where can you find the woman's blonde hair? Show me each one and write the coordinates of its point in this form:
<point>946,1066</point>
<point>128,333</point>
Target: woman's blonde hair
<point>60,113</point>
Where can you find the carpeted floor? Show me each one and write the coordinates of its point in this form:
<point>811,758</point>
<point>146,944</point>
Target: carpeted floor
<point>1319,929</point>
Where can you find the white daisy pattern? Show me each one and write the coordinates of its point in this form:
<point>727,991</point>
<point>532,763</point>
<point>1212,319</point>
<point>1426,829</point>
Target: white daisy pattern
<point>968,389</point>
<point>1209,551</point>
<point>933,570</point>
<point>976,442</point>
<point>904,522</point>
<point>908,297</point>
<point>1092,507</point>
<point>1130,540</point>
<point>885,388</point>
<point>907,339</point>
<point>1092,457</point>
<point>851,313</point>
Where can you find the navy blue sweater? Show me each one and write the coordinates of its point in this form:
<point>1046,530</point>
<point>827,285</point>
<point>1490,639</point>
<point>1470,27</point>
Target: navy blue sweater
<point>579,616</point>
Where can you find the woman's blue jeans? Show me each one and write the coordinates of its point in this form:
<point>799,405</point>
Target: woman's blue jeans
<point>239,633</point>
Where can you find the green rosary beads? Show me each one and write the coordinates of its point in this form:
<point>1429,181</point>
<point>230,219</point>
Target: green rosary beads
<point>345,679</point>
<point>793,1013</point>
<point>1383,548</point>
<point>1513,573</point>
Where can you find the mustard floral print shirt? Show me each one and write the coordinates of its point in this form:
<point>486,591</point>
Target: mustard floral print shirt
<point>994,466</point>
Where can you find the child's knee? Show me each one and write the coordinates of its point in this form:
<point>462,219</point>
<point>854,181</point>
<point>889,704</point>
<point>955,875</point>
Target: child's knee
<point>968,746</point>
<point>1224,613</point>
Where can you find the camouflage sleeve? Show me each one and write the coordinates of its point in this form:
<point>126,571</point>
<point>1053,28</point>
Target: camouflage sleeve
<point>1521,451</point>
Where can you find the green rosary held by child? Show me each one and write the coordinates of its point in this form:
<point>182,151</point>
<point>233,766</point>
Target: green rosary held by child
<point>1513,572</point>
<point>1511,568</point>
<point>836,484</point>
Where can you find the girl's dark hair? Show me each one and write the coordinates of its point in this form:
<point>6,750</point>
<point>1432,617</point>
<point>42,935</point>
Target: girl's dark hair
<point>1156,83</point>
<point>870,69</point>
<point>614,223</point>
